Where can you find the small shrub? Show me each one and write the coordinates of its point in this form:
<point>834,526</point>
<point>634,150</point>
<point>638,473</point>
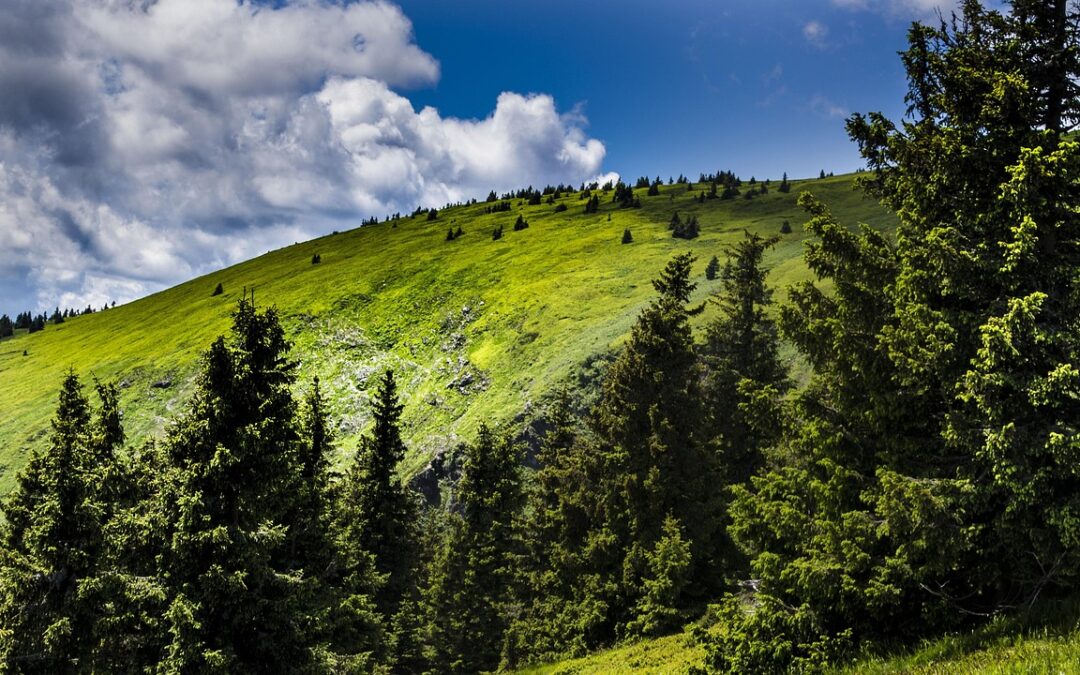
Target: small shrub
<point>560,208</point>
<point>218,290</point>
<point>626,236</point>
<point>785,228</point>
<point>712,268</point>
<point>316,259</point>
<point>519,224</point>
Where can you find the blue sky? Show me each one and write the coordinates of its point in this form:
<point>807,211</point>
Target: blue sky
<point>680,86</point>
<point>146,142</point>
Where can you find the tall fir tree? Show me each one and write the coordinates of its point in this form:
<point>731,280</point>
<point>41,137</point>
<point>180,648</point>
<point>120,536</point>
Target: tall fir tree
<point>745,378</point>
<point>53,539</point>
<point>934,435</point>
<point>236,461</point>
<point>377,515</point>
<point>471,587</point>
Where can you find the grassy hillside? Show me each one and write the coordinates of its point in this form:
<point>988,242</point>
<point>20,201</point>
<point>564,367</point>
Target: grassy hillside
<point>476,329</point>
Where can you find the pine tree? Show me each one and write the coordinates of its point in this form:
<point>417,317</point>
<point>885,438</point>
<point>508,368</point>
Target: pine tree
<point>236,463</point>
<point>377,512</point>
<point>53,539</point>
<point>627,238</point>
<point>471,581</point>
<point>647,462</point>
<point>933,429</point>
<point>712,268</point>
<point>745,376</point>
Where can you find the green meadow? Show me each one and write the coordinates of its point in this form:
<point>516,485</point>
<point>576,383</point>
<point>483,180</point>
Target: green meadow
<point>476,329</point>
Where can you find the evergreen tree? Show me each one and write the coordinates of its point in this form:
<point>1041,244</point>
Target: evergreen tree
<point>236,459</point>
<point>933,430</point>
<point>646,462</point>
<point>7,328</point>
<point>627,238</point>
<point>745,376</point>
<point>378,513</point>
<point>712,268</point>
<point>53,539</point>
<point>472,575</point>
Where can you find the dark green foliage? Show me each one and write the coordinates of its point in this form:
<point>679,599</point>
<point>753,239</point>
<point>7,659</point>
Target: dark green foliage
<point>497,232</point>
<point>624,196</point>
<point>785,227</point>
<point>234,492</point>
<point>685,230</point>
<point>57,317</point>
<point>668,567</point>
<point>927,481</point>
<point>7,328</point>
<point>218,290</point>
<point>470,591</point>
<point>450,235</point>
<point>712,268</point>
<point>432,214</point>
<point>377,513</point>
<point>316,259</point>
<point>52,558</point>
<point>627,238</point>
<point>785,186</point>
<point>592,205</point>
<point>654,189</point>
<point>491,197</point>
<point>520,224</point>
<point>560,208</point>
<point>741,352</point>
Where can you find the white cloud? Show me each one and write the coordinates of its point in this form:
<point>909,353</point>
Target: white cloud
<point>815,33</point>
<point>907,9</point>
<point>145,141</point>
<point>821,105</point>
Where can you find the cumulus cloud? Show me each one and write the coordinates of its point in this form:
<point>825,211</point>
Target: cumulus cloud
<point>143,142</point>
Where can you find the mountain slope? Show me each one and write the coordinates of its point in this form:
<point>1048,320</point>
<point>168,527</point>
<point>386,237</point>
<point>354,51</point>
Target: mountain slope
<point>477,329</point>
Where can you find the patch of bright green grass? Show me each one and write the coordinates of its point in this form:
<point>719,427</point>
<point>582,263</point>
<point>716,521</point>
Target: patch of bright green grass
<point>668,655</point>
<point>477,330</point>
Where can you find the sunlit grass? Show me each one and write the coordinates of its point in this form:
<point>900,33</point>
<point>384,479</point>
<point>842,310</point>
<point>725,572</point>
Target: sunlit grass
<point>515,315</point>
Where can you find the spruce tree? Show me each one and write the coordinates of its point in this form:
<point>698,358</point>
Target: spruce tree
<point>646,461</point>
<point>236,466</point>
<point>470,592</point>
<point>53,539</point>
<point>712,268</point>
<point>377,511</point>
<point>933,432</point>
<point>745,376</point>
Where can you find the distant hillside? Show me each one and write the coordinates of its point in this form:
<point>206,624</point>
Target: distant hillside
<point>476,328</point>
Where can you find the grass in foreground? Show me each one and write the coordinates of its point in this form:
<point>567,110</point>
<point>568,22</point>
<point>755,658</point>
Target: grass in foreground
<point>668,655</point>
<point>1046,641</point>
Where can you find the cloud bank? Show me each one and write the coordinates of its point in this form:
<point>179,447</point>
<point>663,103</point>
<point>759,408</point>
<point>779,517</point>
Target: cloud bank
<point>145,142</point>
